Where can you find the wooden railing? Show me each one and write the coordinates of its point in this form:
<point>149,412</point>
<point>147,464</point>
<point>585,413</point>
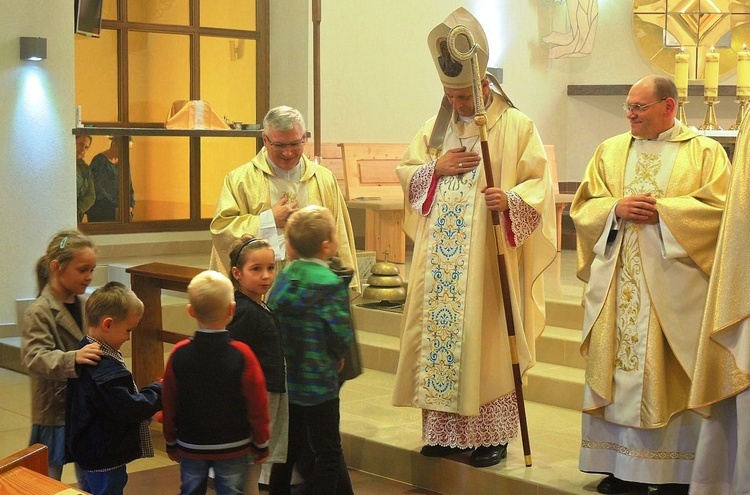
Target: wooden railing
<point>149,336</point>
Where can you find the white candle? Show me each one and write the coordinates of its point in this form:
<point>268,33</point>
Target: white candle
<point>681,63</point>
<point>711,74</point>
<point>743,72</point>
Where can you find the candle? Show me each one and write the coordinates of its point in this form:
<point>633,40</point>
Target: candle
<point>743,72</point>
<point>711,74</point>
<point>681,62</point>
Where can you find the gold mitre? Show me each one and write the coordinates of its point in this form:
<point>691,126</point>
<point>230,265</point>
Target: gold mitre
<point>457,73</point>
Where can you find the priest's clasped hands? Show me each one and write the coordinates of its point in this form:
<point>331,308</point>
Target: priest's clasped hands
<point>638,208</point>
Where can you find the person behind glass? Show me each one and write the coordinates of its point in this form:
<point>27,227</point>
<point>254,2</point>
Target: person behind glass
<point>214,396</point>
<point>258,197</point>
<point>647,217</point>
<point>312,305</point>
<point>253,273</point>
<point>106,172</point>
<point>51,330</point>
<point>107,417</point>
<point>85,191</point>
<point>458,368</point>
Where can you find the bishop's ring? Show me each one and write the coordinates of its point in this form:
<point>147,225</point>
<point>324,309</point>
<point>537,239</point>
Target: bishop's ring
<point>460,165</point>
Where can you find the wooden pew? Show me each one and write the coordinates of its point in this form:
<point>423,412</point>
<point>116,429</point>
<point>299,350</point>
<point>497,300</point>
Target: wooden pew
<point>26,473</point>
<point>370,171</point>
<point>34,457</point>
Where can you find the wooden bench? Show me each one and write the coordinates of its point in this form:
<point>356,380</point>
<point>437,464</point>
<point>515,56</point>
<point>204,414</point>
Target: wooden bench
<point>372,184</point>
<point>34,457</point>
<point>561,199</point>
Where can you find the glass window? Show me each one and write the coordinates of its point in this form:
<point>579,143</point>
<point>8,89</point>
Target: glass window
<point>228,80</point>
<point>229,14</point>
<point>159,74</point>
<point>219,156</point>
<point>160,167</point>
<point>159,11</point>
<point>130,78</point>
<point>109,10</point>
<point>97,77</point>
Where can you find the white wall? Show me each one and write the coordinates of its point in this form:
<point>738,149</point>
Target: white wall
<point>37,184</point>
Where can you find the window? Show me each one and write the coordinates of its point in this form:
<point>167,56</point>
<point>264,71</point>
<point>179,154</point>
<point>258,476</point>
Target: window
<point>152,53</point>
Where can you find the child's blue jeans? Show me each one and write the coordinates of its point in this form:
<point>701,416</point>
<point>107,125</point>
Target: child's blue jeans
<point>230,475</point>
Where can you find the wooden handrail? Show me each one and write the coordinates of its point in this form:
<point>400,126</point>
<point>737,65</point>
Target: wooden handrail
<point>149,336</point>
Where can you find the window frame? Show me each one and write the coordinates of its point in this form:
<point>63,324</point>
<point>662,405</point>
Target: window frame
<point>124,127</point>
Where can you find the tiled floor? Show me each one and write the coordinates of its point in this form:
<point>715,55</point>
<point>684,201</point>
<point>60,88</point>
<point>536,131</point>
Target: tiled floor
<point>369,420</point>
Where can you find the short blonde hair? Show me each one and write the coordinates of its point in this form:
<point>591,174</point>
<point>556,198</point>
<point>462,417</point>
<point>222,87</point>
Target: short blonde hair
<point>308,228</point>
<point>113,300</point>
<point>210,294</point>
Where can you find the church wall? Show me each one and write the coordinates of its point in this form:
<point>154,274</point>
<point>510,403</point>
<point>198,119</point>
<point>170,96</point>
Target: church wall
<point>37,183</point>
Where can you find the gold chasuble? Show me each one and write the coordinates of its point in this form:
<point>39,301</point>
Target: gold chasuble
<point>646,287</point>
<point>247,193</point>
<point>723,363</point>
<point>455,355</point>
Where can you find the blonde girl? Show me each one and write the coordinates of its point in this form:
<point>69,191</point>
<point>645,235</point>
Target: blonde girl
<point>253,272</point>
<point>52,328</point>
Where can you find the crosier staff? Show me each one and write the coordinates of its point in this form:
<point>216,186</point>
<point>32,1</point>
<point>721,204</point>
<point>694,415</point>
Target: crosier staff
<point>480,119</point>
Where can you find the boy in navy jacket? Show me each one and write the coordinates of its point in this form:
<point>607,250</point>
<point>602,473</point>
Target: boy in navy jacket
<point>106,416</point>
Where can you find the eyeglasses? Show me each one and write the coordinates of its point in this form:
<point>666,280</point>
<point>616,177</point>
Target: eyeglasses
<point>635,107</point>
<point>294,145</point>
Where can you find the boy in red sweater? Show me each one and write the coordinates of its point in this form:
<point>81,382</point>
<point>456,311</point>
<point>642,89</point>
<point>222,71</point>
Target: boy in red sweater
<point>214,396</point>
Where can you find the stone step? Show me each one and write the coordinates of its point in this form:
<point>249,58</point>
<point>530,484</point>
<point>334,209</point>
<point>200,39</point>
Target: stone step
<point>10,354</point>
<point>560,346</point>
<point>382,439</point>
<point>546,383</point>
<point>560,314</point>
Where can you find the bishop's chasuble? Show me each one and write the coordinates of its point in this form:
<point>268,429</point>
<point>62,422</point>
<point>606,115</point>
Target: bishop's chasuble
<point>251,190</point>
<point>644,300</point>
<point>454,361</point>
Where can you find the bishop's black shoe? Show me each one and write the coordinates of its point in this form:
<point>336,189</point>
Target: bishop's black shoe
<point>669,489</point>
<point>439,451</point>
<point>611,485</point>
<point>488,456</point>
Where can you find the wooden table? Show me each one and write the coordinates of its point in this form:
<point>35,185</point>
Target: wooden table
<point>384,227</point>
<point>23,481</point>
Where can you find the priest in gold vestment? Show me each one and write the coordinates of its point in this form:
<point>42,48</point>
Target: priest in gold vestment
<point>258,197</point>
<point>722,461</point>
<point>647,217</point>
<point>454,360</point>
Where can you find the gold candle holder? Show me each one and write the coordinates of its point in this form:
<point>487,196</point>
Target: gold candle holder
<point>681,102</point>
<point>744,102</point>
<point>709,122</point>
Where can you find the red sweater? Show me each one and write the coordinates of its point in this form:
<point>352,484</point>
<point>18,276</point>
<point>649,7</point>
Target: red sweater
<point>214,398</point>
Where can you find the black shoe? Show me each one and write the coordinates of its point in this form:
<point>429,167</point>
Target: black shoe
<point>610,485</point>
<point>669,489</point>
<point>439,451</point>
<point>488,456</point>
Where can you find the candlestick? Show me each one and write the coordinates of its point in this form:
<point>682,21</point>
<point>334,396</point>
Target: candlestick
<point>681,64</point>
<point>711,74</point>
<point>681,102</point>
<point>743,72</point>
